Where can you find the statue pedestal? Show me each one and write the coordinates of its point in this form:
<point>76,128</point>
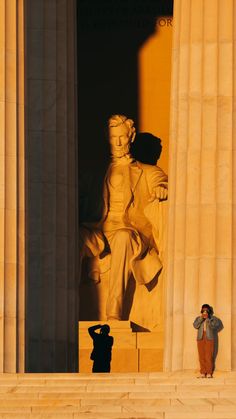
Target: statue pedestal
<point>132,351</point>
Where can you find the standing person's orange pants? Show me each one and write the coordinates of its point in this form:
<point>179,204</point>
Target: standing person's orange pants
<point>205,352</point>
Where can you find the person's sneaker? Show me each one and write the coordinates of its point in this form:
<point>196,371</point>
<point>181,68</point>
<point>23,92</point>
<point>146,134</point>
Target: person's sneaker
<point>209,376</point>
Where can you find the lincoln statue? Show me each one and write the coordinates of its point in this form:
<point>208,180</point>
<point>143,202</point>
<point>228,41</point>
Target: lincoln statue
<point>127,234</point>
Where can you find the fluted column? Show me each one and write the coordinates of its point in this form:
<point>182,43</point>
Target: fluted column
<point>52,186</point>
<point>234,206</point>
<point>200,241</point>
<point>12,180</point>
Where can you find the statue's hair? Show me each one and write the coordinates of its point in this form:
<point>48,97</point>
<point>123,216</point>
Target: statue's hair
<point>117,120</point>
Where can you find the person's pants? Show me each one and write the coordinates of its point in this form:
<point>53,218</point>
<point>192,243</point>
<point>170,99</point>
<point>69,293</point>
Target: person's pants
<point>205,352</point>
<point>101,366</point>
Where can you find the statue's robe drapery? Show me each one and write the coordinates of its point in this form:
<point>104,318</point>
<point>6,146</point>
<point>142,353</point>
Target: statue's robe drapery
<point>141,210</point>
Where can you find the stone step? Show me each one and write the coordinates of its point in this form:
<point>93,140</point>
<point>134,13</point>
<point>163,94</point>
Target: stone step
<point>57,406</point>
<point>117,396</point>
<point>131,388</point>
<point>125,377</point>
<point>104,415</point>
<point>199,415</point>
<point>206,404</point>
<point>117,411</point>
<point>181,384</point>
<point>187,376</point>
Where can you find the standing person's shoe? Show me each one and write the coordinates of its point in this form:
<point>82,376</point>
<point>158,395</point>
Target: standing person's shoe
<point>202,376</point>
<point>209,376</point>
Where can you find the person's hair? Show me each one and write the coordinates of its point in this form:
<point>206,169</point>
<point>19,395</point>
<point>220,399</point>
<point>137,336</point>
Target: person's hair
<point>105,329</point>
<point>117,120</point>
<point>208,308</point>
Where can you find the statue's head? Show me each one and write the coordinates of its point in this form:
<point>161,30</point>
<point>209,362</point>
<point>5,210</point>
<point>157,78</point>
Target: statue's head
<point>121,132</point>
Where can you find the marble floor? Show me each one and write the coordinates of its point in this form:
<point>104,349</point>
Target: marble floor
<point>179,395</point>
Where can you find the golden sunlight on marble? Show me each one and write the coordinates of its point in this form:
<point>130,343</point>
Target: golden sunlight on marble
<point>154,85</point>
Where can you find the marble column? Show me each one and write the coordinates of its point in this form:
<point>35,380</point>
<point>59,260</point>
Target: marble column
<point>12,180</point>
<point>200,240</point>
<point>52,186</point>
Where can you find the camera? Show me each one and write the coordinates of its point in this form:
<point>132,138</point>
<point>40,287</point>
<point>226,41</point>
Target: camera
<point>205,310</point>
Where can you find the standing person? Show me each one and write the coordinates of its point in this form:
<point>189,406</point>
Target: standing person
<point>102,346</point>
<point>208,326</point>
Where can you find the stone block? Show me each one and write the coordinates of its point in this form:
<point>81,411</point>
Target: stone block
<point>199,415</point>
<point>121,340</point>
<point>85,363</point>
<point>112,415</point>
<point>150,359</point>
<point>114,324</point>
<point>142,351</point>
<point>124,360</point>
<point>150,340</point>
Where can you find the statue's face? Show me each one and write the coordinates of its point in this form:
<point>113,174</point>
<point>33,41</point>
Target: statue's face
<point>119,139</point>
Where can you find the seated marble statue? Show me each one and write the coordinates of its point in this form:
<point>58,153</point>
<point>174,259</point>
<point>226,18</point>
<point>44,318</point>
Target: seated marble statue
<point>128,229</point>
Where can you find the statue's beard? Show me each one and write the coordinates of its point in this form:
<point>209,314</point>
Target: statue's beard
<point>121,152</point>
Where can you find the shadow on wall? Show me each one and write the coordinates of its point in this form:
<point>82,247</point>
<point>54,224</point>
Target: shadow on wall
<point>146,148</point>
<point>102,347</point>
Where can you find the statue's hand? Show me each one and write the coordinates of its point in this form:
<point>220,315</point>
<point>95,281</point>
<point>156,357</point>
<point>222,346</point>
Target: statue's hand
<point>160,193</point>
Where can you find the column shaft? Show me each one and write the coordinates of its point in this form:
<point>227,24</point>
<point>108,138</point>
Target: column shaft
<point>52,184</point>
<point>12,181</point>
<point>200,207</point>
<point>234,208</point>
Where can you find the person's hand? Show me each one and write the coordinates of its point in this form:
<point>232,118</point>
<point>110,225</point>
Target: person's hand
<point>160,193</point>
<point>205,314</point>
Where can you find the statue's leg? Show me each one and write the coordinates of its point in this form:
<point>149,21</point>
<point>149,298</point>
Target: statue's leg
<point>122,247</point>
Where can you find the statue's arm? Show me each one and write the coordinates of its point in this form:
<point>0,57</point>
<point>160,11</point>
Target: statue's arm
<point>156,210</point>
<point>157,183</point>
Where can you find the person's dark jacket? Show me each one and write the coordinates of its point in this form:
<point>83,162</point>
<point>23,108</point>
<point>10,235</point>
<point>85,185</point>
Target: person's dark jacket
<point>213,325</point>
